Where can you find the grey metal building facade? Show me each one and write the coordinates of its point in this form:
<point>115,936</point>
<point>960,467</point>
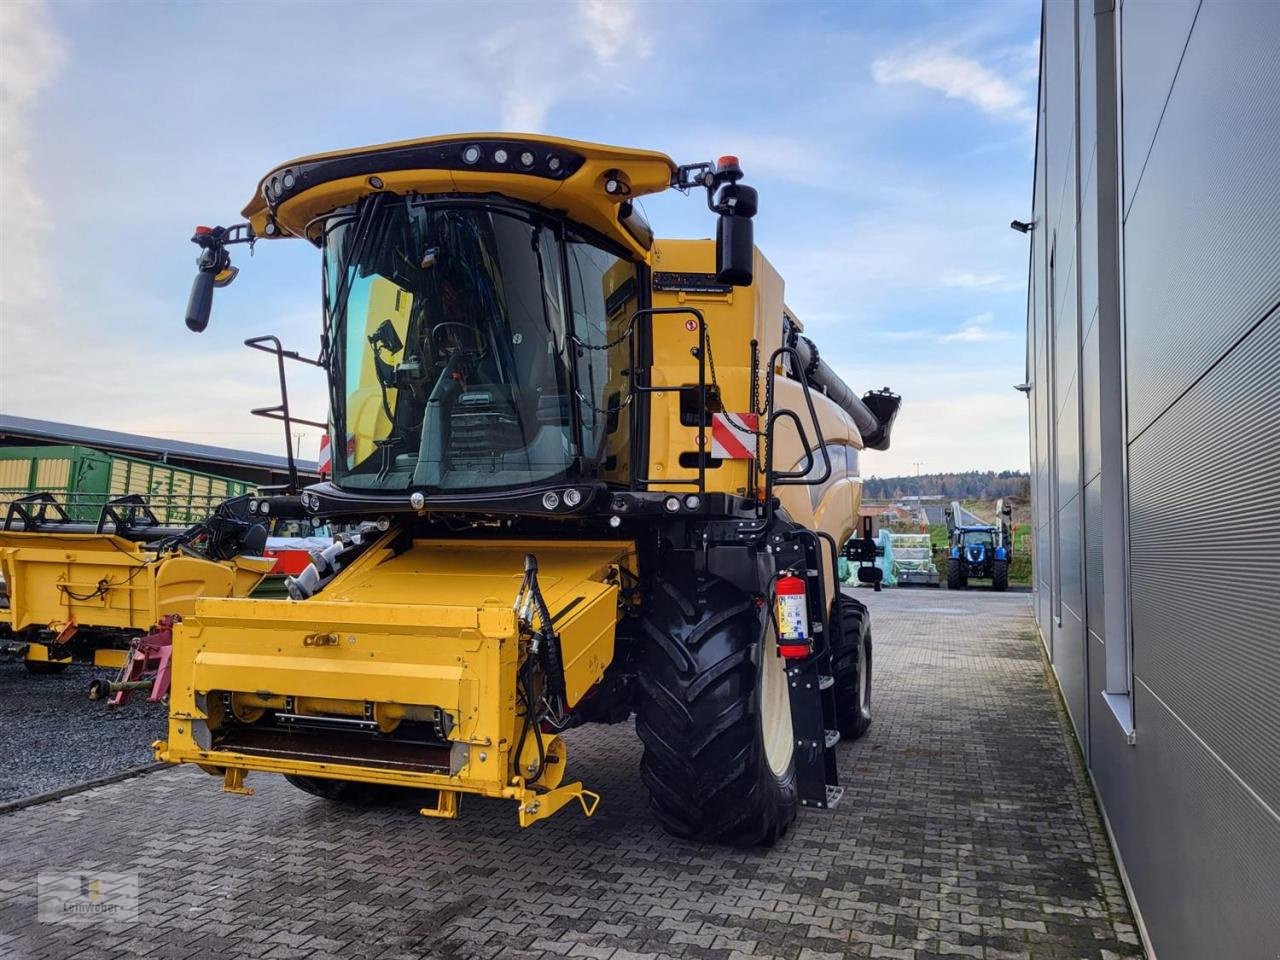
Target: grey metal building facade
<point>1153,354</point>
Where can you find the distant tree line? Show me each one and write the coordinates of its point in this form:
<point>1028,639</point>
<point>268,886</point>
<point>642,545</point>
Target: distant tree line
<point>970,485</point>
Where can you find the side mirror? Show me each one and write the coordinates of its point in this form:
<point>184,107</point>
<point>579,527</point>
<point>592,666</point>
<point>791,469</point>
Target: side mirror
<point>735,246</point>
<point>214,269</point>
<point>200,303</point>
<point>735,234</point>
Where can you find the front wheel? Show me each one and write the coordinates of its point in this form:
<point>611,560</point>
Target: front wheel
<point>713,711</point>
<point>851,666</point>
<point>956,579</point>
<point>1000,575</point>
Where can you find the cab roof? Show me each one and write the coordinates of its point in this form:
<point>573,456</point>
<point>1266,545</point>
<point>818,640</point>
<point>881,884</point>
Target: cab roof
<point>588,182</point>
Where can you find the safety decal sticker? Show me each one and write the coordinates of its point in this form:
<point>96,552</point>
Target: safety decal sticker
<point>733,435</point>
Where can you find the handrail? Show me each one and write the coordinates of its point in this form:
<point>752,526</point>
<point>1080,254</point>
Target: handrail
<point>772,416</point>
<point>281,410</point>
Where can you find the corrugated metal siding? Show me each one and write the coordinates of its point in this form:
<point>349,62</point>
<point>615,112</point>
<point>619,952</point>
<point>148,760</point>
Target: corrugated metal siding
<point>1153,35</point>
<point>1193,802</point>
<point>1201,849</point>
<point>1095,604</point>
<point>1072,554</point>
<point>1065,321</point>
<point>1207,640</point>
<point>1089,252</point>
<point>1202,264</point>
<point>1090,418</point>
<point>1068,445</point>
<point>1059,100</point>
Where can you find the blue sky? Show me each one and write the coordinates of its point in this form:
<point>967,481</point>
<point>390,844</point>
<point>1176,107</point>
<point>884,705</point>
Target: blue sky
<point>891,144</point>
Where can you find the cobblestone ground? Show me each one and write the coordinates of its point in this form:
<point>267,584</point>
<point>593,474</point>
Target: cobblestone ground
<point>967,830</point>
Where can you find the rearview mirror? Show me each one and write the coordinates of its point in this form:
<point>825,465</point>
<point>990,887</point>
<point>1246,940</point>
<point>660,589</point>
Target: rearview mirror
<point>735,234</point>
<point>214,269</point>
<point>200,303</point>
<point>735,247</point>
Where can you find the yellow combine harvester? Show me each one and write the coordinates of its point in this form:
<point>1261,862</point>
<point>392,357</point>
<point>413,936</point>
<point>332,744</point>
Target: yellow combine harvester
<point>608,476</point>
<point>70,588</point>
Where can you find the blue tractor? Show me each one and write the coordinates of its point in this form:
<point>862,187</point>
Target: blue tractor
<point>978,550</point>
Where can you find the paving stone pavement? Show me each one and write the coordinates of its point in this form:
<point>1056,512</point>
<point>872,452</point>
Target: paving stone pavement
<point>967,830</point>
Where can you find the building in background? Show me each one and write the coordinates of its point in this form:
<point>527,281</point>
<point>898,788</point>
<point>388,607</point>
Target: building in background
<point>256,469</point>
<point>1153,355</point>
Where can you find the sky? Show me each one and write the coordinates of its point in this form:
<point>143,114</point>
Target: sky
<point>891,144</point>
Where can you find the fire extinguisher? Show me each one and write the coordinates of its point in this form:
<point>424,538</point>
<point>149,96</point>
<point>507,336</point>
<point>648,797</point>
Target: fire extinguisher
<point>793,618</point>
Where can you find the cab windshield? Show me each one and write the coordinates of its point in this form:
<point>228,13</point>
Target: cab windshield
<point>459,338</point>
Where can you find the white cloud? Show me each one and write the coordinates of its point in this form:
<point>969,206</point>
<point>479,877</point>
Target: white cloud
<point>608,27</point>
<point>977,330</point>
<point>969,280</point>
<point>32,54</point>
<point>533,62</point>
<point>957,77</point>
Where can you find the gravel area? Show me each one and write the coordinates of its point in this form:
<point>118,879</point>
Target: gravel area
<point>52,735</point>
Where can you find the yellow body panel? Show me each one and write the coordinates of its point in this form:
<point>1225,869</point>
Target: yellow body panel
<point>581,196</point>
<point>395,636</point>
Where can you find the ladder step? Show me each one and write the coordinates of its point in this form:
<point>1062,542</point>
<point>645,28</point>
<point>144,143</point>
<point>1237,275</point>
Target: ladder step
<point>833,737</point>
<point>826,682</point>
<point>833,796</point>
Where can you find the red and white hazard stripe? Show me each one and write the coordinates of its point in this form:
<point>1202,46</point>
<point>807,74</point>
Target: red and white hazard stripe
<point>326,458</point>
<point>733,435</point>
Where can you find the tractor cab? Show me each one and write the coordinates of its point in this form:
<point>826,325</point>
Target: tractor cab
<point>976,543</point>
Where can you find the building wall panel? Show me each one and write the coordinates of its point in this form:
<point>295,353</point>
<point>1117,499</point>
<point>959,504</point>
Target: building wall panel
<point>1208,641</point>
<point>1095,603</point>
<point>1202,263</point>
<point>1153,36</point>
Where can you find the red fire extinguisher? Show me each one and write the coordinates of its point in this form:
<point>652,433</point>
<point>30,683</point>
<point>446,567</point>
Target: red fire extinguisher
<point>793,618</point>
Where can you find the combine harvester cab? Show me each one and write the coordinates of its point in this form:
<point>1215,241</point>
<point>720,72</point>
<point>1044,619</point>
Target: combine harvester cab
<point>585,474</point>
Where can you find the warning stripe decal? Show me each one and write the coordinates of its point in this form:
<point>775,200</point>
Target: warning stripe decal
<point>733,435</point>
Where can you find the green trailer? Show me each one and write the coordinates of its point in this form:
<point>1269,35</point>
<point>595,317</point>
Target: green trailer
<point>84,479</point>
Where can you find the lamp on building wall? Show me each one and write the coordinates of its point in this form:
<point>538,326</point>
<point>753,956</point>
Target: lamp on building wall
<point>1023,388</point>
<point>1023,226</point>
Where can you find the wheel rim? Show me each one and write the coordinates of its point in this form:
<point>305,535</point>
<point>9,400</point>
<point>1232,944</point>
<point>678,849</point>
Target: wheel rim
<point>775,709</point>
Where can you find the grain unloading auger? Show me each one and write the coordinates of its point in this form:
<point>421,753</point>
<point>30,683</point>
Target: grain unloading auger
<point>605,478</point>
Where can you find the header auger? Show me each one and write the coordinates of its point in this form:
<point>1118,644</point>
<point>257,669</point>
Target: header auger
<point>608,477</point>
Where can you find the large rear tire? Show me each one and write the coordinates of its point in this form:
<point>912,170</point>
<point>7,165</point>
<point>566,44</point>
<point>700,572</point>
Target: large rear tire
<point>713,711</point>
<point>956,579</point>
<point>851,666</point>
<point>1000,575</point>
